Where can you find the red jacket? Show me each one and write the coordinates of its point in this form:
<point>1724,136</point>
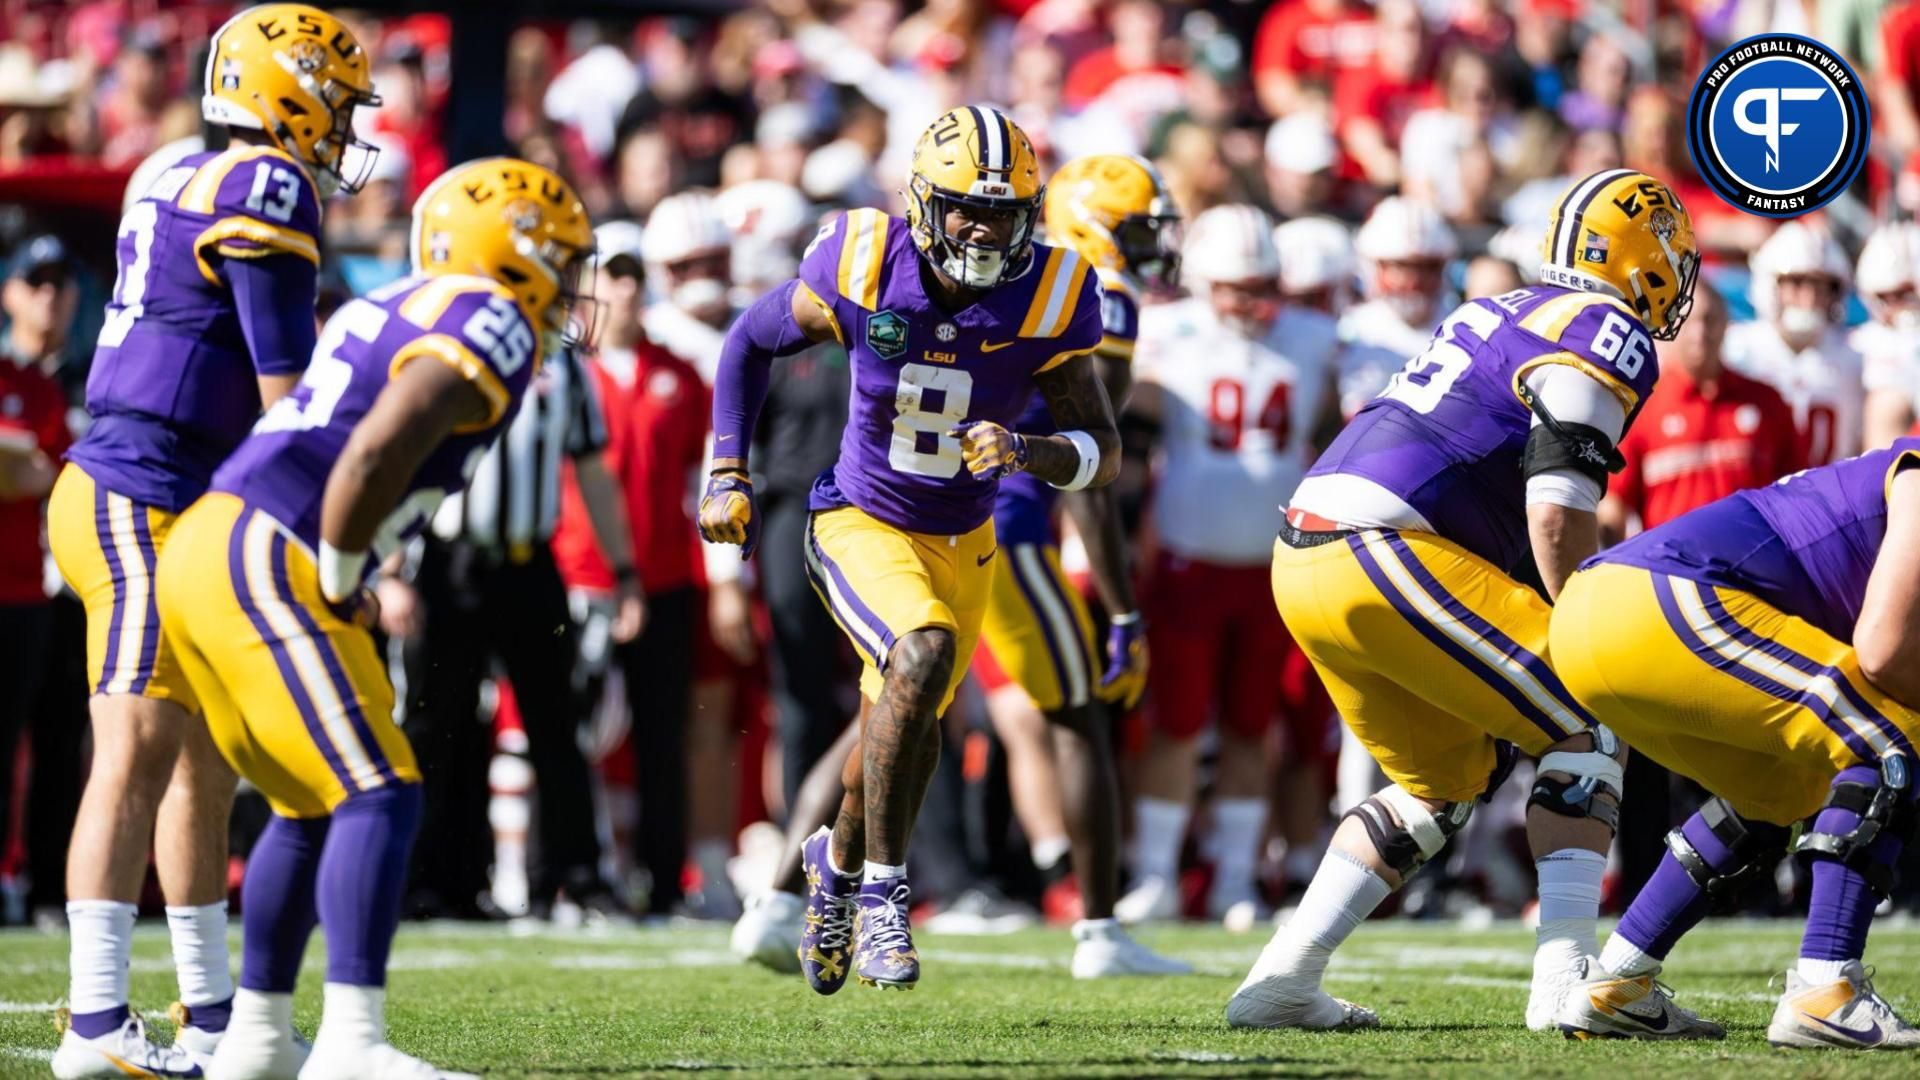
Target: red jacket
<point>1687,449</point>
<point>657,418</point>
<point>32,411</point>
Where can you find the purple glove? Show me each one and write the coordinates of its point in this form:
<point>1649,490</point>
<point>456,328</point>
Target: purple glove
<point>1126,677</point>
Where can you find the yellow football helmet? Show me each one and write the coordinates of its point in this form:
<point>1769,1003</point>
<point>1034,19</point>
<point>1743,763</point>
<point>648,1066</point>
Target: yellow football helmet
<point>514,222</point>
<point>1115,211</point>
<point>1624,233</point>
<point>974,159</point>
<point>296,73</point>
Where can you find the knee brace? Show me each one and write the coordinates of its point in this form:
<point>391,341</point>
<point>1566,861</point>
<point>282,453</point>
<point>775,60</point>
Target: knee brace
<point>1884,806</point>
<point>1592,773</point>
<point>1404,831</point>
<point>1755,846</point>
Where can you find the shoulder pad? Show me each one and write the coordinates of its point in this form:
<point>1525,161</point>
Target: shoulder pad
<point>1601,336</point>
<point>1059,286</point>
<point>847,256</point>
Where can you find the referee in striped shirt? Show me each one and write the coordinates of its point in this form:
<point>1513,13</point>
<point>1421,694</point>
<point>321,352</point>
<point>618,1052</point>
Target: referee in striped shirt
<point>483,590</point>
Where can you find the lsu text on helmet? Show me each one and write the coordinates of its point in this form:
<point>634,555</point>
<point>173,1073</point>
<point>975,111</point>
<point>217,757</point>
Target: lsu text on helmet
<point>1624,233</point>
<point>295,73</point>
<point>976,161</point>
<point>1115,211</point>
<point>512,221</point>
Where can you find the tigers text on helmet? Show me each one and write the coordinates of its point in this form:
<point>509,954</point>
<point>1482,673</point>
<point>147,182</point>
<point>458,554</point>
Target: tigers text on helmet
<point>514,222</point>
<point>295,73</point>
<point>1114,210</point>
<point>976,160</point>
<point>1624,233</point>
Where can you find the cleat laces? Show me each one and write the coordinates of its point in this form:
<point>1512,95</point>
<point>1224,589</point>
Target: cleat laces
<point>836,929</point>
<point>888,922</point>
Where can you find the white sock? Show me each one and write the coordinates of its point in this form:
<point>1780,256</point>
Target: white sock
<point>834,865</point>
<point>1624,959</point>
<point>1821,972</point>
<point>883,872</point>
<point>1569,908</point>
<point>1343,893</point>
<point>260,1009</point>
<point>200,953</point>
<point>1237,825</point>
<point>352,1016</point>
<point>102,941</point>
<point>1160,828</point>
<point>711,857</point>
<point>1049,850</point>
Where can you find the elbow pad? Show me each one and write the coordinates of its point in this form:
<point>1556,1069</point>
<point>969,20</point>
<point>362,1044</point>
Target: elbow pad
<point>1581,447</point>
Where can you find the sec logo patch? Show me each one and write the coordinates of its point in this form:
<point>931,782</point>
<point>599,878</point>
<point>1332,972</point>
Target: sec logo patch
<point>1778,125</point>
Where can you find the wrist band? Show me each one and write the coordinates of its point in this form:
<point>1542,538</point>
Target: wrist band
<point>1127,619</point>
<point>626,575</point>
<point>340,571</point>
<point>1089,460</point>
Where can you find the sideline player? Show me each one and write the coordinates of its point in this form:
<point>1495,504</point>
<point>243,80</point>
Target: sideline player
<point>1799,344</point>
<point>1112,210</point>
<point>262,590</point>
<point>211,317</point>
<point>1392,573</point>
<point>952,319</point>
<point>1765,646</point>
<point>1237,389</point>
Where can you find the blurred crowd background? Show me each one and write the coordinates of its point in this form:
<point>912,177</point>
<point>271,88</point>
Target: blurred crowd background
<point>722,136</point>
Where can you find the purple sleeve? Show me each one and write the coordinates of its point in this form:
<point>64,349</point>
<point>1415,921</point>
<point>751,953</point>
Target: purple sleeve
<point>275,297</point>
<point>762,332</point>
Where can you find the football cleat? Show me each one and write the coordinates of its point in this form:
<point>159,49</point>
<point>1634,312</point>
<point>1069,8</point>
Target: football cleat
<point>259,1043</point>
<point>826,931</point>
<point>1848,1014</point>
<point>1599,1005</point>
<point>883,953</point>
<point>982,910</point>
<point>124,1051</point>
<point>769,931</point>
<point>1102,948</point>
<point>371,1061</point>
<point>1267,1004</point>
<point>1152,899</point>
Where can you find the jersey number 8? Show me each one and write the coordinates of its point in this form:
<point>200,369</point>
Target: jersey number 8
<point>928,402</point>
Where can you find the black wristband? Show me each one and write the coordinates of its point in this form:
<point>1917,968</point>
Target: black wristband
<point>626,575</point>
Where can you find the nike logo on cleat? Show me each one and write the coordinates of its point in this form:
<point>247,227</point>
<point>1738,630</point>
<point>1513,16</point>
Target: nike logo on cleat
<point>993,346</point>
<point>1871,1035</point>
<point>983,560</point>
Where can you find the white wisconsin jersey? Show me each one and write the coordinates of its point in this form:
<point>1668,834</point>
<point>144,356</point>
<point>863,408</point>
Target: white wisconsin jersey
<point>1376,344</point>
<point>1236,426</point>
<point>686,337</point>
<point>1889,357</point>
<point>1823,383</point>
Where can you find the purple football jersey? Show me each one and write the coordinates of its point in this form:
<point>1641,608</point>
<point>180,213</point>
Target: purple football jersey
<point>470,323</point>
<point>173,386</point>
<point>920,371</point>
<point>1805,544</point>
<point>1023,514</point>
<point>1448,432</point>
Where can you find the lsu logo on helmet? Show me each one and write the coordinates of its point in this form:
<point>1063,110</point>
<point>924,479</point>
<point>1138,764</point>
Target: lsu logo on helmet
<point>512,221</point>
<point>1624,233</point>
<point>1115,211</point>
<point>296,73</point>
<point>976,161</point>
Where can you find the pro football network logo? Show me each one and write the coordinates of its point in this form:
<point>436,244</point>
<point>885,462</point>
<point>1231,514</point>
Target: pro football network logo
<point>1778,125</point>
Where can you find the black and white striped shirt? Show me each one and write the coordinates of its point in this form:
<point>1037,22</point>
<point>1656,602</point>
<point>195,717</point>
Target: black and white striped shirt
<point>513,500</point>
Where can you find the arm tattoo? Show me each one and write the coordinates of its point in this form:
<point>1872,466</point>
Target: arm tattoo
<point>1078,402</point>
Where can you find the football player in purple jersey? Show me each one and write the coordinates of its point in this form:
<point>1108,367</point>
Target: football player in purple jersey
<point>211,317</point>
<point>952,319</point>
<point>1394,575</point>
<point>1768,646</point>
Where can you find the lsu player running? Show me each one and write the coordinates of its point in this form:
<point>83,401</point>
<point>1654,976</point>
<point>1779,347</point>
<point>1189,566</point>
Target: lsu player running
<point>1393,575</point>
<point>952,320</point>
<point>1112,210</point>
<point>261,588</point>
<point>211,317</point>
<point>1764,645</point>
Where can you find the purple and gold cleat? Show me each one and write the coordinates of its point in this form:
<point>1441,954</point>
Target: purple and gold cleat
<point>883,953</point>
<point>826,933</point>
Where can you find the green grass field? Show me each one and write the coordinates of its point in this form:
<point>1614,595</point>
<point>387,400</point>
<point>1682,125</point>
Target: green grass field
<point>671,1001</point>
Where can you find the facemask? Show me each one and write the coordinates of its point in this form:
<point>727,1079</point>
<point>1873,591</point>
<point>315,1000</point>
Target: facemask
<point>1412,308</point>
<point>1906,318</point>
<point>700,295</point>
<point>1802,321</point>
<point>974,267</point>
